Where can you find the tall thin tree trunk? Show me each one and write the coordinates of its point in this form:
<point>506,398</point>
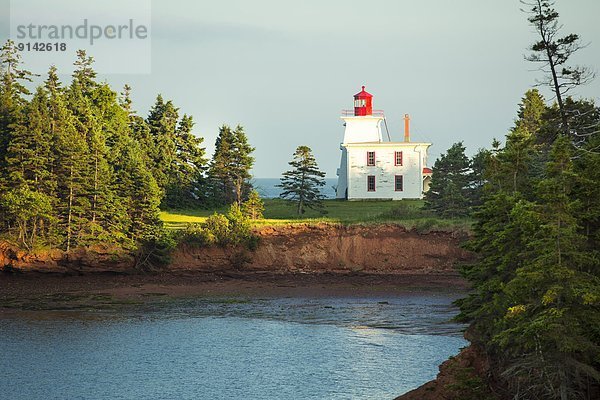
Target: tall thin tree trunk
<point>95,192</point>
<point>551,63</point>
<point>70,213</point>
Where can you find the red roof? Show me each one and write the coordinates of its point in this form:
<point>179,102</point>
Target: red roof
<point>362,94</point>
<point>427,170</point>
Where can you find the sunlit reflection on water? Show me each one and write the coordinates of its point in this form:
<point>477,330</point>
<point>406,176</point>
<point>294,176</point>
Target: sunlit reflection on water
<point>290,348</point>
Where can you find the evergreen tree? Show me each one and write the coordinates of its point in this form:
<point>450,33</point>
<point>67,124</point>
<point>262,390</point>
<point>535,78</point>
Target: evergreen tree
<point>302,184</point>
<point>448,193</point>
<point>162,122</point>
<point>12,91</point>
<point>186,180</point>
<point>26,210</point>
<point>229,171</point>
<point>552,324</point>
<point>537,276</point>
<point>553,53</point>
<point>177,156</point>
<point>68,168</point>
<point>531,112</point>
<point>253,207</point>
<point>477,177</point>
<point>90,104</point>
<point>30,153</point>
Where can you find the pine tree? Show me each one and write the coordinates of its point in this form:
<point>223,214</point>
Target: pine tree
<point>477,177</point>
<point>88,102</point>
<point>30,153</point>
<point>254,207</point>
<point>241,164</point>
<point>162,122</point>
<point>26,209</point>
<point>185,182</point>
<point>553,53</point>
<point>229,171</point>
<point>12,91</point>
<point>537,276</point>
<point>448,193</point>
<point>68,169</point>
<point>302,184</point>
<point>552,324</point>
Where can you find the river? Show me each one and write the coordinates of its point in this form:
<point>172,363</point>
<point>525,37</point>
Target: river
<point>353,347</point>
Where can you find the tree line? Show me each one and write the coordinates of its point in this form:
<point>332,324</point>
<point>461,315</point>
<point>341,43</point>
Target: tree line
<point>78,166</point>
<point>535,305</point>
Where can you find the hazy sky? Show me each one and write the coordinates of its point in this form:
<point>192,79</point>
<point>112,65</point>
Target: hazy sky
<point>285,69</point>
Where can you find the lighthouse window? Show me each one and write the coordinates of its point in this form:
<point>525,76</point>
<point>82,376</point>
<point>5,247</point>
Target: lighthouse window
<point>370,158</point>
<point>360,103</point>
<point>399,183</point>
<point>371,183</point>
<point>398,158</point>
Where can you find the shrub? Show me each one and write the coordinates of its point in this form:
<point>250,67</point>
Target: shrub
<point>234,228</point>
<point>196,235</point>
<point>154,252</point>
<point>254,207</point>
<point>405,210</point>
<point>217,226</point>
<point>425,225</point>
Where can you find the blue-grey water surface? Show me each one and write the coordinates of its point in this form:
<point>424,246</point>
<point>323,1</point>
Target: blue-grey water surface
<point>267,187</point>
<point>273,348</point>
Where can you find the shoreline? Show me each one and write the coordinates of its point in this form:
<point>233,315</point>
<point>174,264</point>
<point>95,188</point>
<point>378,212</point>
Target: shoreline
<point>34,291</point>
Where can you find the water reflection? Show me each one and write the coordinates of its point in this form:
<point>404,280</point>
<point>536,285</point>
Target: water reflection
<point>231,348</point>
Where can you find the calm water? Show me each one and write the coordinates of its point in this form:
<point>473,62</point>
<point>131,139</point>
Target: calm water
<point>292,348</point>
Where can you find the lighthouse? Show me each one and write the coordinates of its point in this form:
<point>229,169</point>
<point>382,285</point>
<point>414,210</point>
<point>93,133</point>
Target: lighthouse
<point>362,124</point>
<point>372,168</point>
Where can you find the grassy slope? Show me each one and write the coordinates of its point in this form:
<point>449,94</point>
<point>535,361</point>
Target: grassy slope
<point>278,212</point>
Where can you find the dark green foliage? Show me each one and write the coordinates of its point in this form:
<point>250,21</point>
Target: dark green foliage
<point>466,384</point>
<point>71,171</point>
<point>536,301</point>
<point>12,91</point>
<point>154,253</point>
<point>477,178</point>
<point>26,212</point>
<point>405,210</point>
<point>536,305</point>
<point>176,157</point>
<point>553,52</point>
<point>229,171</point>
<point>449,191</point>
<point>302,185</point>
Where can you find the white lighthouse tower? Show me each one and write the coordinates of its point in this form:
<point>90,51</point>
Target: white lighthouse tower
<point>373,169</point>
<point>362,125</point>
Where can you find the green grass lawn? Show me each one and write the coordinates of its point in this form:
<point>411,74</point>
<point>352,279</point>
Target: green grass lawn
<point>277,212</point>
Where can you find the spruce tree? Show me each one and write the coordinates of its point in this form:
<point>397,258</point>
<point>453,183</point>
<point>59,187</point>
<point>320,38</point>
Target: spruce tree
<point>302,184</point>
<point>186,178</point>
<point>254,207</point>
<point>30,153</point>
<point>552,324</point>
<point>448,193</point>
<point>553,53</point>
<point>229,170</point>
<point>12,98</point>
<point>162,122</point>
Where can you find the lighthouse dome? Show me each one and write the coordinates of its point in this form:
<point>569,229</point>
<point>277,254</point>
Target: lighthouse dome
<point>363,103</point>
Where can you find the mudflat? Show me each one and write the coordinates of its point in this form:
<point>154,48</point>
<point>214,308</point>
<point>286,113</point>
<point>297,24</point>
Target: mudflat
<point>63,292</point>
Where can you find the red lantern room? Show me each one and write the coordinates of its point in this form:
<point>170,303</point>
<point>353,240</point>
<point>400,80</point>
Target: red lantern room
<point>363,103</point>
